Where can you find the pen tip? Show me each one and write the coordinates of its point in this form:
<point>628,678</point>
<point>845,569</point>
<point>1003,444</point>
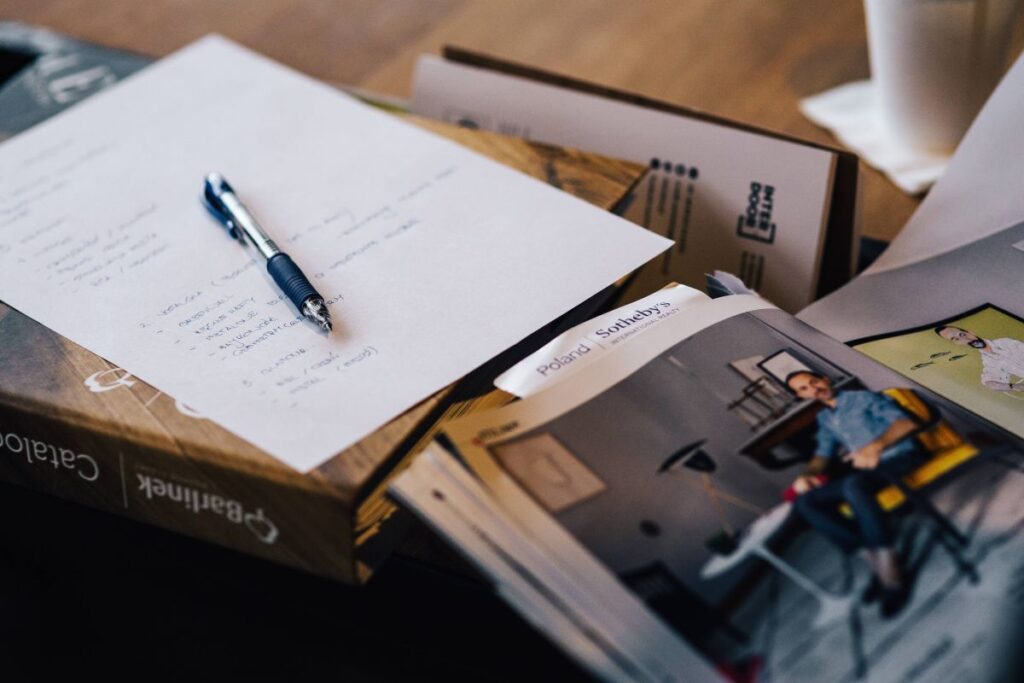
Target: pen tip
<point>316,311</point>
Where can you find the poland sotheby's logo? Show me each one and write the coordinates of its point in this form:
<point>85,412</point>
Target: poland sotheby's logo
<point>756,222</point>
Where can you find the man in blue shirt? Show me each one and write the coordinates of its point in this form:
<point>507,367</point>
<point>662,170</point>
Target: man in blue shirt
<point>867,429</point>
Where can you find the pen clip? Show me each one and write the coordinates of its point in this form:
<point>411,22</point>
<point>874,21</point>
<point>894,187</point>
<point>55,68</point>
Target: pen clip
<point>212,188</point>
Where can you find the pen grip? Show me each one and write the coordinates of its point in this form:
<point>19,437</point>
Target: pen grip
<point>290,279</point>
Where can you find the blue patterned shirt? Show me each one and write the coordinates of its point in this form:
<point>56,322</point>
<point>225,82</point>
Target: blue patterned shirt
<point>859,418</point>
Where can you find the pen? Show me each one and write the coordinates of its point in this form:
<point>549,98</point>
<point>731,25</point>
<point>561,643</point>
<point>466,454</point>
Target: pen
<point>221,201</point>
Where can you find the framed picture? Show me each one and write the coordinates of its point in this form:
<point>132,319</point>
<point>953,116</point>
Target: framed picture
<point>782,363</point>
<point>543,466</point>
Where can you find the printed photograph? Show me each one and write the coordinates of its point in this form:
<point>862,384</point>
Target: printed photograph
<point>975,359</point>
<point>793,509</point>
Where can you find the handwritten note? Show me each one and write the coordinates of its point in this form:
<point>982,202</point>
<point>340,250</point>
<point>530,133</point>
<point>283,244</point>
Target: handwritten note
<point>433,259</point>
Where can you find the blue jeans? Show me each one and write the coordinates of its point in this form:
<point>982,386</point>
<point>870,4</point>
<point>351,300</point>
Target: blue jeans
<point>869,527</point>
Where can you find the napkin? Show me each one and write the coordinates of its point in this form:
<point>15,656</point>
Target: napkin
<point>849,111</point>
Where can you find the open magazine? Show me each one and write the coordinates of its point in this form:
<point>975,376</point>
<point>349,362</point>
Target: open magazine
<point>705,489</point>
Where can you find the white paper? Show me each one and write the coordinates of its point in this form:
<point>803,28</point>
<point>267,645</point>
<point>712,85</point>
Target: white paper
<point>433,259</point>
<point>579,347</point>
<point>732,200</point>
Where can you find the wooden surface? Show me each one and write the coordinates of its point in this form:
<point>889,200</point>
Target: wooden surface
<point>130,430</point>
<point>747,59</point>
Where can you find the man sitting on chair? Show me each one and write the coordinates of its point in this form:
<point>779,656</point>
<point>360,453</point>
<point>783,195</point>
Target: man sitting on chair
<point>869,427</point>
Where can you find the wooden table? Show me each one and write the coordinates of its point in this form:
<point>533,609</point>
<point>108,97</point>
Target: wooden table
<point>746,59</point>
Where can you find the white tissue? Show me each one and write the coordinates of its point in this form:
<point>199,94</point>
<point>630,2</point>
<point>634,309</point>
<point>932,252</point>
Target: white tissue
<point>849,111</point>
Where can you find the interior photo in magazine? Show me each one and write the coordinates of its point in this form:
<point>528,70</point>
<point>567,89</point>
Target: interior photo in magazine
<point>794,510</point>
<point>975,359</point>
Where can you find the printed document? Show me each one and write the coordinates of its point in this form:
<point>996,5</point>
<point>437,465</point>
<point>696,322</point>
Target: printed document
<point>730,199</point>
<point>432,258</point>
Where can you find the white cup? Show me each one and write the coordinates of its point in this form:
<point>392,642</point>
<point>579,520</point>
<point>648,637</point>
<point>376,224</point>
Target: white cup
<point>934,63</point>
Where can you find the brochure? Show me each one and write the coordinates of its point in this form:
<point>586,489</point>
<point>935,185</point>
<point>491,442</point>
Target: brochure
<point>664,474</point>
<point>777,211</point>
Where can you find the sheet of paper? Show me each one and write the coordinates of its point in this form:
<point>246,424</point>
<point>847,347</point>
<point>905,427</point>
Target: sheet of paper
<point>433,258</point>
<point>730,199</point>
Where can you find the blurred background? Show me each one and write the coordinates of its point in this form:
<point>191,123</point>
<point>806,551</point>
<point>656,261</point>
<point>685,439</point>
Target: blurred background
<point>745,59</point>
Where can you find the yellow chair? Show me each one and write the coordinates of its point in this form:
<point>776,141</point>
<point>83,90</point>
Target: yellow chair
<point>948,451</point>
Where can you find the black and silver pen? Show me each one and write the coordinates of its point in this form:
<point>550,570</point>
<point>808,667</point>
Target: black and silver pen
<point>225,206</point>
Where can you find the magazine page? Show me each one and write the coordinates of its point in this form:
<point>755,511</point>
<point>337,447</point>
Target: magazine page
<point>944,306</point>
<point>790,508</point>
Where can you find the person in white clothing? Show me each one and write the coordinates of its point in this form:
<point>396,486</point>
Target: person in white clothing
<point>1002,360</point>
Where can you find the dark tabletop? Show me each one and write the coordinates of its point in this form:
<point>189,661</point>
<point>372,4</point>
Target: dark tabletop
<point>97,594</point>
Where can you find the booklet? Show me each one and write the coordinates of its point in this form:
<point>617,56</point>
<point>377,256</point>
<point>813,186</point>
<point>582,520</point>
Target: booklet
<point>777,211</point>
<point>725,491</point>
